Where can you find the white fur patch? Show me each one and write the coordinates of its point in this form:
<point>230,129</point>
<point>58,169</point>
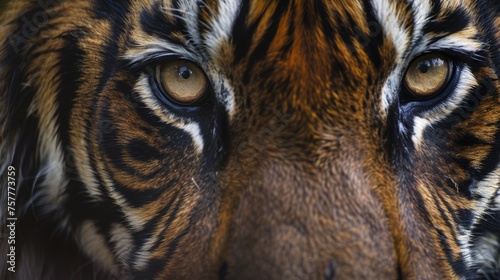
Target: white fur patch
<point>226,94</point>
<point>390,20</point>
<point>222,25</point>
<point>123,242</point>
<point>458,43</point>
<point>163,47</point>
<point>95,246</point>
<point>420,124</point>
<point>388,17</point>
<point>486,253</point>
<point>194,130</point>
<point>142,256</point>
<point>215,40</point>
<point>391,88</point>
<point>421,11</point>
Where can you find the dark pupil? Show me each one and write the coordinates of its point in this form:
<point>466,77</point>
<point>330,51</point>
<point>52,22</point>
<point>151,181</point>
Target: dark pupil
<point>424,66</point>
<point>185,72</point>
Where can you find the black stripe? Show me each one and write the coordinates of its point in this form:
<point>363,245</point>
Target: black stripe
<point>135,102</point>
<point>171,217</point>
<point>155,266</point>
<point>436,7</point>
<point>443,214</point>
<point>202,25</point>
<point>466,217</point>
<point>458,265</point>
<point>345,31</point>
<point>376,38</point>
<point>489,26</point>
<point>111,9</point>
<point>262,48</point>
<point>110,144</point>
<point>491,161</point>
<point>241,35</point>
<point>110,53</point>
<point>155,21</point>
<point>140,197</point>
<point>140,150</point>
<point>71,60</point>
<point>451,211</point>
<point>290,33</point>
<point>148,229</point>
<point>398,145</point>
<point>347,34</point>
<point>468,139</point>
<point>451,22</point>
<point>490,32</point>
<point>111,49</point>
<point>172,247</point>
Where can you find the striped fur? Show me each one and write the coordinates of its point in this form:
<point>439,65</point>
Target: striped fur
<point>307,159</point>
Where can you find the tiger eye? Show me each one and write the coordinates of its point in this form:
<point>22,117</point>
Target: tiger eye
<point>182,81</point>
<point>428,74</point>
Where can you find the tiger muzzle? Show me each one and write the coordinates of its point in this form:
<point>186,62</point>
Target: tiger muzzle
<point>304,215</point>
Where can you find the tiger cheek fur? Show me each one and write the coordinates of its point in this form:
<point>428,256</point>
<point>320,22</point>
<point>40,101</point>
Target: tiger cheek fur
<point>306,149</point>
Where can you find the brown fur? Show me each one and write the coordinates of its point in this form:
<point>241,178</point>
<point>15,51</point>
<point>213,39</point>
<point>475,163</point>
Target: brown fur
<point>309,177</point>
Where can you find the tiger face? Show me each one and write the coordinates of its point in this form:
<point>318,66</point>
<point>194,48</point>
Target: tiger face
<point>252,139</point>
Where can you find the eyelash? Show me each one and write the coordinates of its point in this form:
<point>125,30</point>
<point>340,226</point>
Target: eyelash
<point>150,62</point>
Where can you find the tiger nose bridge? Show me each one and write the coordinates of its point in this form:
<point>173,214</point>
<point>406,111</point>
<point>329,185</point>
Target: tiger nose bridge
<point>307,220</point>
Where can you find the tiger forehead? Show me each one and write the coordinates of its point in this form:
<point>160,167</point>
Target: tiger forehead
<point>295,33</point>
<point>309,49</point>
<point>211,25</point>
<point>182,20</point>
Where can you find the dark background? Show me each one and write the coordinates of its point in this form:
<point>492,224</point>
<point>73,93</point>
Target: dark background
<point>2,4</point>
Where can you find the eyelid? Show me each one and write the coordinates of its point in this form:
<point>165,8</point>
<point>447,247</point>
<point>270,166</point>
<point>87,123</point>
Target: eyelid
<point>151,61</point>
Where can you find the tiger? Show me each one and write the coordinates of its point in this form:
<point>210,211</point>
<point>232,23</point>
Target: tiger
<point>250,139</point>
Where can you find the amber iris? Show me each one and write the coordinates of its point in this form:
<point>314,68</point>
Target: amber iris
<point>428,74</point>
<point>182,81</point>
